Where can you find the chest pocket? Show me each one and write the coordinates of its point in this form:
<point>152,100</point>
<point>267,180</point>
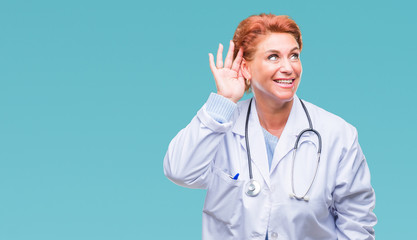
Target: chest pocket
<point>224,197</point>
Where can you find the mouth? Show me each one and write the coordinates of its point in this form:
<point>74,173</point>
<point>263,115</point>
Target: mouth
<point>285,82</point>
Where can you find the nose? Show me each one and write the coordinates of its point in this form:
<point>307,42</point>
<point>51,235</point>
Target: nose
<point>285,66</point>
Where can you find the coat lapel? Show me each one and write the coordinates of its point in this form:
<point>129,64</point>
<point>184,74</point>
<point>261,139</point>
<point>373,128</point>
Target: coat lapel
<point>258,146</point>
<point>256,140</point>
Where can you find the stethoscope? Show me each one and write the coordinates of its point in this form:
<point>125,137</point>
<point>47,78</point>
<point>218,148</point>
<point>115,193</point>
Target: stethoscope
<point>253,187</point>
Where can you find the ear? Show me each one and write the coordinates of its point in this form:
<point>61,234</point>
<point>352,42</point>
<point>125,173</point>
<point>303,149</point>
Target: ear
<point>245,68</point>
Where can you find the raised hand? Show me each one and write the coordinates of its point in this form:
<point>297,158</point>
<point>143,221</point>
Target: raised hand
<point>229,79</point>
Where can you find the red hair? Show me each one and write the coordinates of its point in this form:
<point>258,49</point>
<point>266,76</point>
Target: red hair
<point>251,31</point>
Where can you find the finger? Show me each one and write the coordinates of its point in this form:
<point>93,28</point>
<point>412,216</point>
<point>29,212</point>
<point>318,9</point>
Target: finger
<point>240,77</point>
<point>240,74</point>
<point>229,57</point>
<point>238,60</point>
<point>212,65</point>
<point>219,62</point>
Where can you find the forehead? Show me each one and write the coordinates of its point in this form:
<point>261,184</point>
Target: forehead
<point>277,41</point>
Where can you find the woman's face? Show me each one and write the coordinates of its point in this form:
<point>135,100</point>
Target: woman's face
<point>275,70</point>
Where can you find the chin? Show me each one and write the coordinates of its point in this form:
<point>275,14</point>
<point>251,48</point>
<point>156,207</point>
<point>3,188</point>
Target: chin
<point>285,97</point>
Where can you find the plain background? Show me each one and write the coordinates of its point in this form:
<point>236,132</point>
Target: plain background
<point>92,92</point>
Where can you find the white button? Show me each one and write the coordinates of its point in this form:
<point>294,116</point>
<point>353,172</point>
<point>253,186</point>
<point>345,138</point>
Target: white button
<point>274,235</point>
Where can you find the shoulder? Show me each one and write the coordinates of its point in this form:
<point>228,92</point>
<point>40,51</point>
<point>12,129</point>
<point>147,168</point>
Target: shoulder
<point>325,121</point>
<point>242,108</point>
<point>243,105</point>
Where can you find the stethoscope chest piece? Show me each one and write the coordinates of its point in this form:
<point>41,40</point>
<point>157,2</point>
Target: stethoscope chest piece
<point>253,188</point>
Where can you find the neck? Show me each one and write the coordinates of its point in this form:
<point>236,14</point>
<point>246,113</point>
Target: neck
<point>273,116</point>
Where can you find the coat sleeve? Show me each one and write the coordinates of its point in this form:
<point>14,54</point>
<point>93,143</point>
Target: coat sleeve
<point>191,153</point>
<point>354,197</point>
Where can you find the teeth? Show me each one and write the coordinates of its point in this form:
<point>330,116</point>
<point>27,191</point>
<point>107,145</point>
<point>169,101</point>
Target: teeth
<point>284,81</point>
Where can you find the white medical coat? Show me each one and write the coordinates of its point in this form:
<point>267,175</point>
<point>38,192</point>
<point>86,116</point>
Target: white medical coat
<point>206,153</point>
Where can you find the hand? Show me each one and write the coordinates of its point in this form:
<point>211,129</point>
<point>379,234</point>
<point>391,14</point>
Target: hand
<point>229,79</point>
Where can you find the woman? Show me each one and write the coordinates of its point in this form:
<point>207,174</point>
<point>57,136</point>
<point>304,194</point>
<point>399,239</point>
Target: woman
<point>312,194</point>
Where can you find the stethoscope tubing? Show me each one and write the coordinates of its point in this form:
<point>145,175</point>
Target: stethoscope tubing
<point>247,140</point>
<point>253,184</point>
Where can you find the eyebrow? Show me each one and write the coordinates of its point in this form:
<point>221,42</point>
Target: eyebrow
<point>274,50</point>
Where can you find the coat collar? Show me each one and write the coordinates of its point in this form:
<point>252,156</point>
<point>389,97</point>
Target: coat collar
<point>297,121</point>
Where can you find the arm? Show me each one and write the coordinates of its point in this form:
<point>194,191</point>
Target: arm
<point>354,197</point>
<point>190,154</point>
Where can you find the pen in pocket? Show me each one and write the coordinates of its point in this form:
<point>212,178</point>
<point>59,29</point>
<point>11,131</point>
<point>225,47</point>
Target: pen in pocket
<point>235,177</point>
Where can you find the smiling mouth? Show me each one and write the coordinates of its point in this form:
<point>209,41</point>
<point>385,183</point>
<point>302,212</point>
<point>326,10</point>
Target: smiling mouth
<point>284,81</point>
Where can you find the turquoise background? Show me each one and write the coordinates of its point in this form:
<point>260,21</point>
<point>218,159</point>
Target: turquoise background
<point>92,92</point>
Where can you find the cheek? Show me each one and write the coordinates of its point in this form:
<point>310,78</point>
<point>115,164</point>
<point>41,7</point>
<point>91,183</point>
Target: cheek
<point>298,69</point>
<point>268,69</point>
<point>260,70</point>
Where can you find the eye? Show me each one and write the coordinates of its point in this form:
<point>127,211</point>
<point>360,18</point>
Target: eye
<point>295,56</point>
<point>273,57</point>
